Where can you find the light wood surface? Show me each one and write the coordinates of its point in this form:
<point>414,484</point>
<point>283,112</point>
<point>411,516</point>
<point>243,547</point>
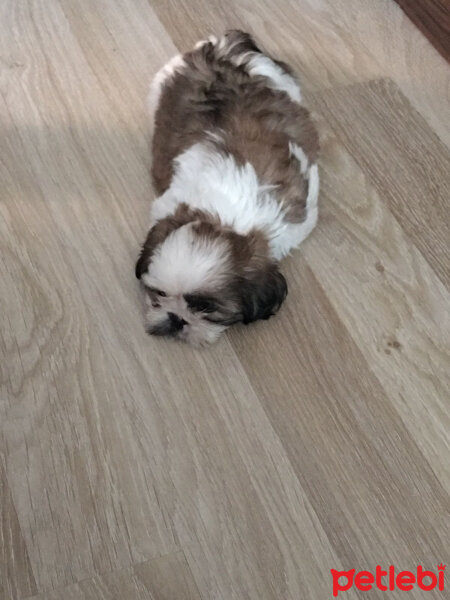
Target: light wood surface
<point>134,468</point>
<point>433,18</point>
<point>163,578</point>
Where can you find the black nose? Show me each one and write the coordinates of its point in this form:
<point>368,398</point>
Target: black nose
<point>176,322</point>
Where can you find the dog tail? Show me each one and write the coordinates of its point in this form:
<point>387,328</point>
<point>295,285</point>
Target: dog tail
<point>237,42</point>
<point>231,44</point>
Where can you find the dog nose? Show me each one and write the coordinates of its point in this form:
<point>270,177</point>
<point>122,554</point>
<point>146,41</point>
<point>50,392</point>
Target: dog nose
<point>176,322</point>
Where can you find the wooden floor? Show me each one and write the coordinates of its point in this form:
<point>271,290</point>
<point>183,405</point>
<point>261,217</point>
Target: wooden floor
<point>432,17</point>
<point>133,468</point>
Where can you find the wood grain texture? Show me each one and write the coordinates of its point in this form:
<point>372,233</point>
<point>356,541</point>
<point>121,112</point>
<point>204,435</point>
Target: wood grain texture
<point>432,17</point>
<point>400,50</point>
<point>141,469</point>
<point>16,575</point>
<point>163,578</point>
<point>367,264</point>
<point>403,158</point>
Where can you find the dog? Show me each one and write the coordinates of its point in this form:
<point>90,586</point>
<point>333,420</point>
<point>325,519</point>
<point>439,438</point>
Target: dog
<point>234,167</point>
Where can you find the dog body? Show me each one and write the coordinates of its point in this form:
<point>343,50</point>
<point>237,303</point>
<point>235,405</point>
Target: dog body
<point>234,166</point>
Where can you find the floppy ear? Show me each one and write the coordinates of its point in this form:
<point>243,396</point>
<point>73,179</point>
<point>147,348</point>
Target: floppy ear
<point>262,294</point>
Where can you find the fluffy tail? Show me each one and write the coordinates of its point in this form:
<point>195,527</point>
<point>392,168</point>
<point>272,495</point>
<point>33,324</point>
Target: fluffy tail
<point>232,43</point>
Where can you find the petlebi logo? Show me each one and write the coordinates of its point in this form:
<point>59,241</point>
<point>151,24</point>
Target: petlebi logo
<point>388,580</point>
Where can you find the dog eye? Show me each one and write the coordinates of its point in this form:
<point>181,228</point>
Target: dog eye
<point>200,303</point>
<point>158,292</point>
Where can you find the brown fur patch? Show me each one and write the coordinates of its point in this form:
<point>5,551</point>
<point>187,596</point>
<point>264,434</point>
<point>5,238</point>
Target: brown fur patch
<point>248,252</point>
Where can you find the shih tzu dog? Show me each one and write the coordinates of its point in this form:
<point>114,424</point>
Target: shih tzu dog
<point>234,169</point>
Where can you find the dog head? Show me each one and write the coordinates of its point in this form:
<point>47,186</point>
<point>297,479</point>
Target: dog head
<point>199,278</point>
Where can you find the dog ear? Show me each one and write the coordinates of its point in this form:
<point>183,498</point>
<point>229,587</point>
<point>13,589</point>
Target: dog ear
<point>262,294</point>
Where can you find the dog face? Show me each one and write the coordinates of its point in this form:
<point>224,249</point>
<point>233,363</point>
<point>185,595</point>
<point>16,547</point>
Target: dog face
<point>199,279</point>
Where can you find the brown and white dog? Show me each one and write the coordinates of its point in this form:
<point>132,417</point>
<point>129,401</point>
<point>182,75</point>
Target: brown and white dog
<point>234,167</point>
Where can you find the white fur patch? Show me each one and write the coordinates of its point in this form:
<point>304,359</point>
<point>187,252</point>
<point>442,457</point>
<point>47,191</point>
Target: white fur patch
<point>278,78</point>
<point>175,64</point>
<point>234,193</point>
<point>213,182</point>
<point>300,155</point>
<point>294,234</point>
<point>186,263</point>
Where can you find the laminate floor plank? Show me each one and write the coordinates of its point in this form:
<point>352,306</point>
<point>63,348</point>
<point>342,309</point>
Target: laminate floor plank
<point>163,578</point>
<point>16,576</point>
<point>432,17</point>
<point>402,53</point>
<point>380,124</point>
<point>392,302</point>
